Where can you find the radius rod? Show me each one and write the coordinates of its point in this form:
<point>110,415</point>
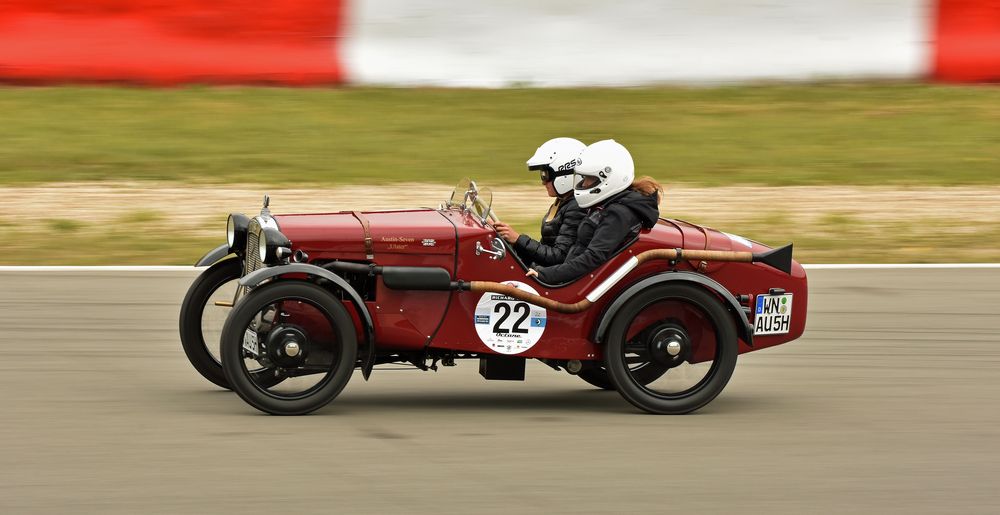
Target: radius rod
<point>780,259</point>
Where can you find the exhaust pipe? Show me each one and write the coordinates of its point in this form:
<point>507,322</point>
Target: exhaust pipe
<point>779,259</point>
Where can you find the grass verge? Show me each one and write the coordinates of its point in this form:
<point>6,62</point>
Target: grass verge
<point>861,134</point>
<point>135,240</point>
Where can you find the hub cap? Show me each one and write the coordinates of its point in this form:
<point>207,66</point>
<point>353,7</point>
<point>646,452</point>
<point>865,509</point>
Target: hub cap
<point>669,345</point>
<point>285,346</point>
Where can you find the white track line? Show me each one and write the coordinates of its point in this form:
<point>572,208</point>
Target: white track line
<point>892,266</point>
<point>836,266</point>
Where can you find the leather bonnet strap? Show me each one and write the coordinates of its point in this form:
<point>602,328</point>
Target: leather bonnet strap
<point>366,227</point>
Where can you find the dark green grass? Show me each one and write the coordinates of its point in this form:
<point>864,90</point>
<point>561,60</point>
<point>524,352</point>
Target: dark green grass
<point>773,135</point>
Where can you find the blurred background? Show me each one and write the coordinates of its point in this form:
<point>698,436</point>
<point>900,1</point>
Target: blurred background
<point>862,130</point>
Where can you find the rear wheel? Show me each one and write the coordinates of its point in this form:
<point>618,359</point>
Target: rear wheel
<point>297,331</point>
<point>683,329</point>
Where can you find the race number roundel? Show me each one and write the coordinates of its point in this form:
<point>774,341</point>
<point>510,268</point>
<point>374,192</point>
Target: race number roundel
<point>508,325</point>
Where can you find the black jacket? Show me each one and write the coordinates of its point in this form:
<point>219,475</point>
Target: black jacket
<point>558,235</point>
<point>602,232</point>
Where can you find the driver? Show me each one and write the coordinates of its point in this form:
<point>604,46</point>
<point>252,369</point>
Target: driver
<point>618,206</point>
<point>554,161</point>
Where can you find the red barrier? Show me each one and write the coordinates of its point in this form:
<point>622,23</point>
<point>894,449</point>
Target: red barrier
<point>967,40</point>
<point>170,42</point>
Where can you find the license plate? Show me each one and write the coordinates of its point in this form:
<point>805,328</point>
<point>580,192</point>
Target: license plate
<point>773,314</point>
<point>250,342</point>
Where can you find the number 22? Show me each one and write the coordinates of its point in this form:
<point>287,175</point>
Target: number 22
<point>505,307</point>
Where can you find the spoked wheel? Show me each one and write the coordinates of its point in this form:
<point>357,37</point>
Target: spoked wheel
<point>201,320</point>
<point>296,331</point>
<point>681,328</point>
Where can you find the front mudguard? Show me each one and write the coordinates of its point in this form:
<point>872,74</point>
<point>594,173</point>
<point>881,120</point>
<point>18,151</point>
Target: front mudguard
<point>255,278</point>
<point>213,256</point>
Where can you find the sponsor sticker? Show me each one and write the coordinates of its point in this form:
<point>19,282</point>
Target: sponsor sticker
<point>507,325</point>
<point>773,314</point>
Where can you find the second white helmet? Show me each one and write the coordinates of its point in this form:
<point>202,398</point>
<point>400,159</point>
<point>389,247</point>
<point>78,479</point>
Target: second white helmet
<point>611,164</point>
<point>555,159</point>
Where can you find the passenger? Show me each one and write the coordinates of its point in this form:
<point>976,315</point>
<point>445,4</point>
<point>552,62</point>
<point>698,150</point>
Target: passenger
<point>616,205</point>
<point>555,161</point>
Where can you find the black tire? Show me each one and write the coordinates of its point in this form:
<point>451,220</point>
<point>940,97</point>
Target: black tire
<point>718,375</point>
<point>192,309</point>
<point>598,375</point>
<point>330,385</point>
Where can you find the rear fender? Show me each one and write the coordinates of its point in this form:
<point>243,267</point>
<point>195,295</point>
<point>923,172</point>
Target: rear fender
<point>255,278</point>
<point>214,255</point>
<point>733,306</point>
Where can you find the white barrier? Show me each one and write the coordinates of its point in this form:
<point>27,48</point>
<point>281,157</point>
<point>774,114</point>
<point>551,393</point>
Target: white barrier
<point>496,43</point>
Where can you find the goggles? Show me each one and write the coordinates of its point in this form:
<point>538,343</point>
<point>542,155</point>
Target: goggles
<point>547,174</point>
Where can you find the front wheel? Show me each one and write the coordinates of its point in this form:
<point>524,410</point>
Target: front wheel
<point>682,328</point>
<point>299,331</point>
<point>201,320</point>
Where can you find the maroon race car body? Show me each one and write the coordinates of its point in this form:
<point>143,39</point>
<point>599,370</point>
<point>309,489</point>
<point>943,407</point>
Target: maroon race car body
<point>405,309</point>
<point>411,320</point>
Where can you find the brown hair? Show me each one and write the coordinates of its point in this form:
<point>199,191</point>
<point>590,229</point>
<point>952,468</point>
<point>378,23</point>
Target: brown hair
<point>648,186</point>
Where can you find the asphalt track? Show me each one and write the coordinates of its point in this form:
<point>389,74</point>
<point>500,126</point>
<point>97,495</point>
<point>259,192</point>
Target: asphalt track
<point>889,404</point>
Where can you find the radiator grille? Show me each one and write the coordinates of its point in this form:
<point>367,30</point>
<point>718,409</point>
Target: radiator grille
<point>251,256</point>
<point>252,262</point>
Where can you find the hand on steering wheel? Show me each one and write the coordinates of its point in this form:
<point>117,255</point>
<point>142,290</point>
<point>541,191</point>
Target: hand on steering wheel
<point>506,232</point>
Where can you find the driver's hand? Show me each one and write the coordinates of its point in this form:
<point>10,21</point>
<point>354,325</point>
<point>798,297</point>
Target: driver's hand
<point>531,273</point>
<point>506,232</point>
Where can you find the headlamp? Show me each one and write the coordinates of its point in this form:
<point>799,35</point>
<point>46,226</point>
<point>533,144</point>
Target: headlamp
<point>273,246</point>
<point>262,246</point>
<point>236,232</point>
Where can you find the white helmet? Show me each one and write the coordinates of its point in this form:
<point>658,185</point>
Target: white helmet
<point>556,159</point>
<point>611,164</point>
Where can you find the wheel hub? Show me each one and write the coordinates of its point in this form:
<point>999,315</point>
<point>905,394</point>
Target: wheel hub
<point>286,346</point>
<point>669,344</point>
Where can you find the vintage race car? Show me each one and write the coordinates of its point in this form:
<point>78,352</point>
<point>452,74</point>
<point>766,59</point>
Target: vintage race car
<point>291,305</point>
